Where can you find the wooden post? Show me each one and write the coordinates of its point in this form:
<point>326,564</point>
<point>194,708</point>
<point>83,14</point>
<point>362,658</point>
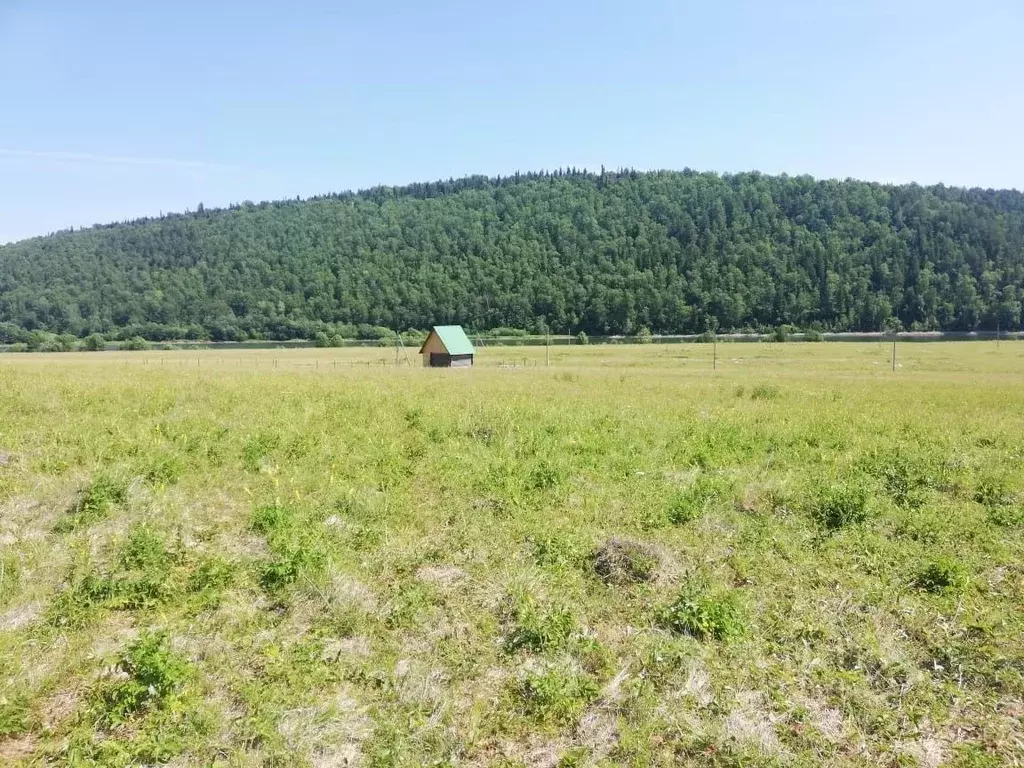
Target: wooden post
<point>547,349</point>
<point>714,352</point>
<point>894,353</point>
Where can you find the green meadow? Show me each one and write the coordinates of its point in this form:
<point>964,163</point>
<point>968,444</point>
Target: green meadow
<point>635,555</point>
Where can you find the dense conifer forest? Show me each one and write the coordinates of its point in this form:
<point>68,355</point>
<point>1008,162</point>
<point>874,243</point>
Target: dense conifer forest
<point>569,251</point>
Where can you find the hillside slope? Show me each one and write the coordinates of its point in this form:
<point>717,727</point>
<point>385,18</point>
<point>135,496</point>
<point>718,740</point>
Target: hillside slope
<point>604,253</point>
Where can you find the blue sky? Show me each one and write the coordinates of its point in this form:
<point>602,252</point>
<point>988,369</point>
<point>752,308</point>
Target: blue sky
<point>113,110</point>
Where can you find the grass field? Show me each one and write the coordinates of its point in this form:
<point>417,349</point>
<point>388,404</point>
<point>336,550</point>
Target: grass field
<point>310,557</point>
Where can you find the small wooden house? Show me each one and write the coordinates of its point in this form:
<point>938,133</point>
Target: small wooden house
<point>447,346</point>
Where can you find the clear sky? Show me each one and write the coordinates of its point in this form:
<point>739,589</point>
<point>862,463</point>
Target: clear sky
<point>113,110</point>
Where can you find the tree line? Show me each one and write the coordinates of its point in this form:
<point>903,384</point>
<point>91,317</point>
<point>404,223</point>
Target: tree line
<point>569,251</point>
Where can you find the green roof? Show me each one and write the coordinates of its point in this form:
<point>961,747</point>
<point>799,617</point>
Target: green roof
<point>454,339</point>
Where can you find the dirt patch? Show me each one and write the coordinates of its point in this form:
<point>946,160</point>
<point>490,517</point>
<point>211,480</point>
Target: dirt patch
<point>116,633</point>
<point>344,590</point>
<point>17,749</point>
<point>24,519</point>
<point>19,617</point>
<point>347,647</point>
<point>827,720</point>
<point>59,708</point>
<point>332,735</point>
<point>598,729</point>
<point>752,723</point>
<point>698,684</point>
<point>418,683</point>
<point>6,459</point>
<point>622,561</point>
<point>928,753</point>
<point>441,575</point>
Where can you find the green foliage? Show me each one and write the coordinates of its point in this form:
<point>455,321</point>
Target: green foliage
<point>134,344</point>
<point>904,478</point>
<point>388,586</point>
<point>942,575</point>
<point>673,252</point>
<point>992,492</point>
<point>582,338</point>
<point>554,696</point>
<point>165,469</point>
<point>94,342</point>
<point>644,336</point>
<point>690,503</point>
<point>15,715</point>
<point>94,503</point>
<point>557,552</point>
<point>292,558</point>
<point>812,334</point>
<point>840,506</point>
<point>271,519</point>
<point>535,626</point>
<point>10,576</point>
<point>154,676</point>
<point>703,614</point>
<point>764,392</point>
<point>257,448</point>
<point>296,550</point>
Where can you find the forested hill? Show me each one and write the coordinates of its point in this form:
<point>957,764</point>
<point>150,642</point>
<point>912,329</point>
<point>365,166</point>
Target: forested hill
<point>604,253</point>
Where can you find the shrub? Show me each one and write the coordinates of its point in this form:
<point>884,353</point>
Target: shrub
<point>555,696</point>
<point>536,627</point>
<point>813,334</point>
<point>688,505</point>
<point>94,503</point>
<point>764,392</point>
<point>155,674</point>
<point>15,715</point>
<point>703,615</point>
<point>292,558</point>
<point>270,519</point>
<point>643,336</point>
<point>942,575</point>
<point>620,561</point>
<point>992,492</point>
<point>165,470</point>
<point>780,334</point>
<point>582,338</point>
<point>145,550</point>
<point>134,344</point>
<point>94,343</point>
<point>840,506</point>
<point>706,338</point>
<point>555,552</point>
<point>19,347</point>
